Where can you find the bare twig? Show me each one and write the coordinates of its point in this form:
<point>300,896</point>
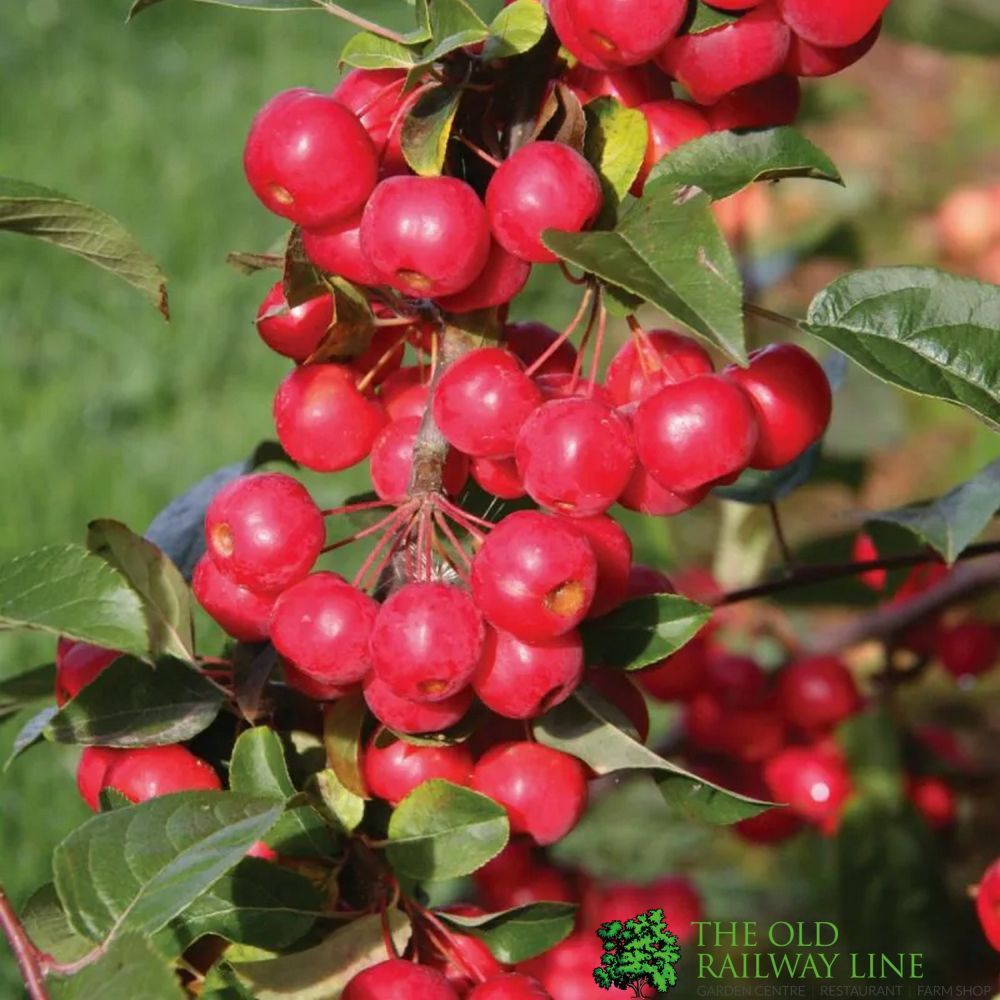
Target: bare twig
<point>360,22</point>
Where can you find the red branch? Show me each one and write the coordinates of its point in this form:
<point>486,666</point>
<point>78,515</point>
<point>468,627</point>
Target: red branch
<point>25,952</point>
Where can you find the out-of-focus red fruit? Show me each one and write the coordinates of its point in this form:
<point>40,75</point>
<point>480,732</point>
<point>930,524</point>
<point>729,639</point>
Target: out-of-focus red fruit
<point>309,159</point>
<point>567,970</point>
<point>337,250</point>
<point>674,894</point>
<point>510,986</point>
<point>969,648</point>
<point>425,236</point>
<point>933,799</point>
<point>766,104</point>
<point>817,692</point>
<point>500,281</point>
<point>988,904</point>
<point>645,580</point>
<point>809,60</point>
<point>529,341</point>
<point>712,63</point>
<point>813,781</point>
<point>323,421</point>
<point>544,185</point>
<point>77,665</point>
<point>620,690</point>
<point>398,979</point>
<point>645,364</point>
<point>831,25</point>
<point>771,827</point>
<point>90,773</point>
<point>678,677</point>
<point>297,332</point>
<point>543,790</point>
<point>392,772</point>
<point>671,124</point>
<point>863,550</point>
<point>241,612</point>
<point>149,772</point>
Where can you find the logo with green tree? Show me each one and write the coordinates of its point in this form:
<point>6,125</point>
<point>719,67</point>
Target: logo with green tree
<point>638,953</point>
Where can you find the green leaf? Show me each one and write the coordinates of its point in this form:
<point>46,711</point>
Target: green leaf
<point>65,590</point>
<point>520,933</point>
<point>266,5</point>
<point>668,250</point>
<point>111,798</point>
<point>25,689</point>
<point>443,831</point>
<point>518,28</point>
<point>342,723</point>
<point>131,704</point>
<point>30,733</point>
<point>89,233</point>
<point>583,726</point>
<point>953,25</point>
<point>454,25</point>
<point>136,869</point>
<point>723,163</point>
<point>130,968</point>
<point>642,631</point>
<point>222,983</point>
<point>165,595</point>
<point>369,51</point>
<point>920,329</point>
<point>705,18</point>
<point>615,145</point>
<point>258,903</point>
<point>321,972</point>
<point>427,129</point>
<point>48,927</point>
<point>341,806</point>
<point>258,768</point>
<point>952,523</point>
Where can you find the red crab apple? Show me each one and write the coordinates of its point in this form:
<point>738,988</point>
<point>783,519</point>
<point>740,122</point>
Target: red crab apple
<point>520,680</point>
<point>404,393</point>
<point>296,332</point>
<point>737,6</point>
<point>544,185</point>
<point>500,281</point>
<point>515,877</point>
<point>148,772</point>
<point>90,772</point>
<point>314,688</point>
<point>813,780</point>
<point>534,576</point>
<point>392,772</point>
<point>613,551</point>
<point>711,63</point>
<point>323,420</point>
<point>652,360</point>
<point>530,341</point>
<point>671,124</point>
<point>969,648</point>
<point>831,25</point>
<point>264,531</point>
<point>242,613</point>
<point>309,159</point>
<point>791,400</point>
<point>391,462</point>
<point>376,97</point>
<point>678,677</point>
<point>767,104</point>
<point>77,664</point>
<point>810,60</point>
<point>322,625</point>
<point>509,986</point>
<point>427,641</point>
<point>425,236</point>
<point>481,401</point>
<point>543,790</point>
<point>398,979</point>
<point>695,432</point>
<point>646,496</point>
<point>623,33</point>
<point>408,716</point>
<point>631,86</point>
<point>933,798</point>
<point>575,455</point>
<point>498,476</point>
<point>337,250</point>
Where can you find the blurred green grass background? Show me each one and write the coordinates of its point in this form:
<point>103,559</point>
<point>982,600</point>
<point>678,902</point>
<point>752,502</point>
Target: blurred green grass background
<point>104,409</point>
